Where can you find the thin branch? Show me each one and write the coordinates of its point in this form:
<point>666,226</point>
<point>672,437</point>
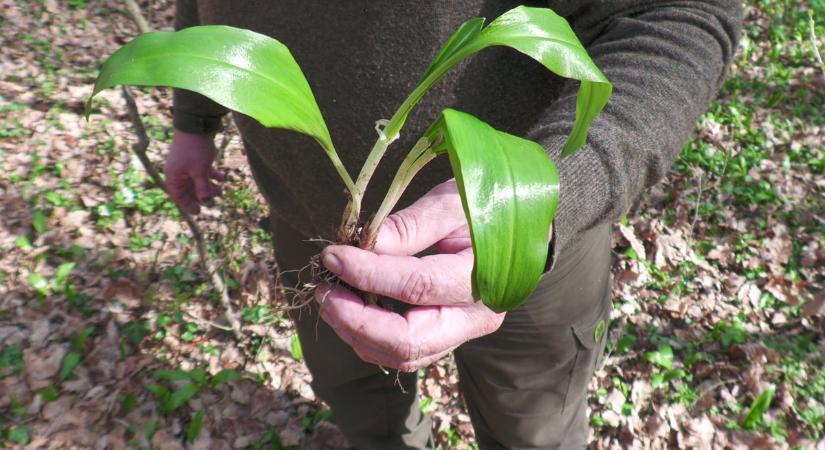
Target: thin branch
<point>139,148</point>
<point>137,16</point>
<point>812,30</point>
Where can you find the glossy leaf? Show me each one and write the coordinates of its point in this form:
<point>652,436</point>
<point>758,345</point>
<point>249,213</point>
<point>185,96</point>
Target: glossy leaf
<point>538,33</point>
<point>242,70</point>
<point>509,190</point>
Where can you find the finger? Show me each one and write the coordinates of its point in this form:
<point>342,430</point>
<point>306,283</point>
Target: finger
<point>203,189</point>
<point>181,192</point>
<point>339,306</point>
<point>412,366</point>
<point>453,325</point>
<point>442,279</point>
<point>408,342</point>
<point>457,241</point>
<point>425,222</point>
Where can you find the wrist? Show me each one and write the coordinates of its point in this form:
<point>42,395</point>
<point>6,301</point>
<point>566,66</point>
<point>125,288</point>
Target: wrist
<point>189,139</point>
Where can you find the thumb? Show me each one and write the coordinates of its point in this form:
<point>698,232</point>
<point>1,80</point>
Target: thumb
<point>204,191</point>
<point>427,221</point>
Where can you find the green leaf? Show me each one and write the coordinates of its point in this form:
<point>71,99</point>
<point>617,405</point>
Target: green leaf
<point>509,190</point>
<point>62,274</point>
<point>195,426</point>
<point>180,397</point>
<point>48,393</point>
<point>39,221</point>
<point>78,340</point>
<point>12,359</point>
<point>19,435</point>
<point>538,33</point>
<point>758,408</point>
<point>465,34</point>
<point>198,375</point>
<point>224,376</point>
<point>70,361</point>
<point>39,284</point>
<point>160,391</point>
<point>295,348</point>
<point>242,70</point>
<point>662,357</point>
<point>23,243</point>
<point>171,375</point>
<point>127,403</point>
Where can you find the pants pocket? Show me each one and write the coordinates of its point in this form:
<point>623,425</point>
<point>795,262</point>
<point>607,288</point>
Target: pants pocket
<point>590,340</point>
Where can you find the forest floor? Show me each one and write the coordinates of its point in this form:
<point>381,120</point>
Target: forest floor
<point>111,337</point>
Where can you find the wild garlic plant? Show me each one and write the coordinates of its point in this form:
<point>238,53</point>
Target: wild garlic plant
<point>509,186</point>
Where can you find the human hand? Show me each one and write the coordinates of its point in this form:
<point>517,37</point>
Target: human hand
<point>444,313</point>
<point>189,172</point>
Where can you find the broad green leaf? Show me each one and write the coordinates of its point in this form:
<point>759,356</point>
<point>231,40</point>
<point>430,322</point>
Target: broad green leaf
<point>195,426</point>
<point>162,392</point>
<point>180,397</point>
<point>662,357</point>
<point>172,375</point>
<point>224,376</point>
<point>78,340</point>
<point>48,393</point>
<point>39,221</point>
<point>39,284</point>
<point>198,375</point>
<point>242,70</point>
<point>466,33</point>
<point>128,403</point>
<point>538,33</point>
<point>62,274</point>
<point>19,434</point>
<point>758,408</point>
<point>23,243</point>
<point>509,191</point>
<point>295,348</point>
<point>70,361</point>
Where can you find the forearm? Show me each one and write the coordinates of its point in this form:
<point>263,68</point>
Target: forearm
<point>666,60</point>
<point>192,112</point>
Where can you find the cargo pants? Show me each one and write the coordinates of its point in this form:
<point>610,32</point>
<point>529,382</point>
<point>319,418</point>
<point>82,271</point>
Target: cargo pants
<point>525,385</point>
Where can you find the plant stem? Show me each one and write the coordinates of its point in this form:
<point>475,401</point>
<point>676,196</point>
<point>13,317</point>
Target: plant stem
<point>419,156</point>
<point>386,136</point>
<point>339,167</point>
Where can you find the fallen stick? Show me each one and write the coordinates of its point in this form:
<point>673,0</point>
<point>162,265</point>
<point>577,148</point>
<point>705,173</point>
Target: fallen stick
<point>139,148</point>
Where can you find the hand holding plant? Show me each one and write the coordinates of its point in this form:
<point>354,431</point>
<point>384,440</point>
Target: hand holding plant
<point>444,314</point>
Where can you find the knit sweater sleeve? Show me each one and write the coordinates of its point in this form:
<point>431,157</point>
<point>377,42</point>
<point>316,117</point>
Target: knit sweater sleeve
<point>192,112</point>
<point>666,60</point>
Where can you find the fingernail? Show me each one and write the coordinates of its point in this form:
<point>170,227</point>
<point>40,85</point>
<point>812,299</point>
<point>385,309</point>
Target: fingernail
<point>332,263</point>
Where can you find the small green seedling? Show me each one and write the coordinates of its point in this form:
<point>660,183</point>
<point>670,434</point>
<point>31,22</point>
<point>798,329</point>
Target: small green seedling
<point>509,187</point>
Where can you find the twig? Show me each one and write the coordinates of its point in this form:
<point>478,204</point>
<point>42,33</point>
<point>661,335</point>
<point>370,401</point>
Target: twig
<point>139,148</point>
<point>207,323</point>
<point>137,16</point>
<point>698,204</point>
<point>814,45</point>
